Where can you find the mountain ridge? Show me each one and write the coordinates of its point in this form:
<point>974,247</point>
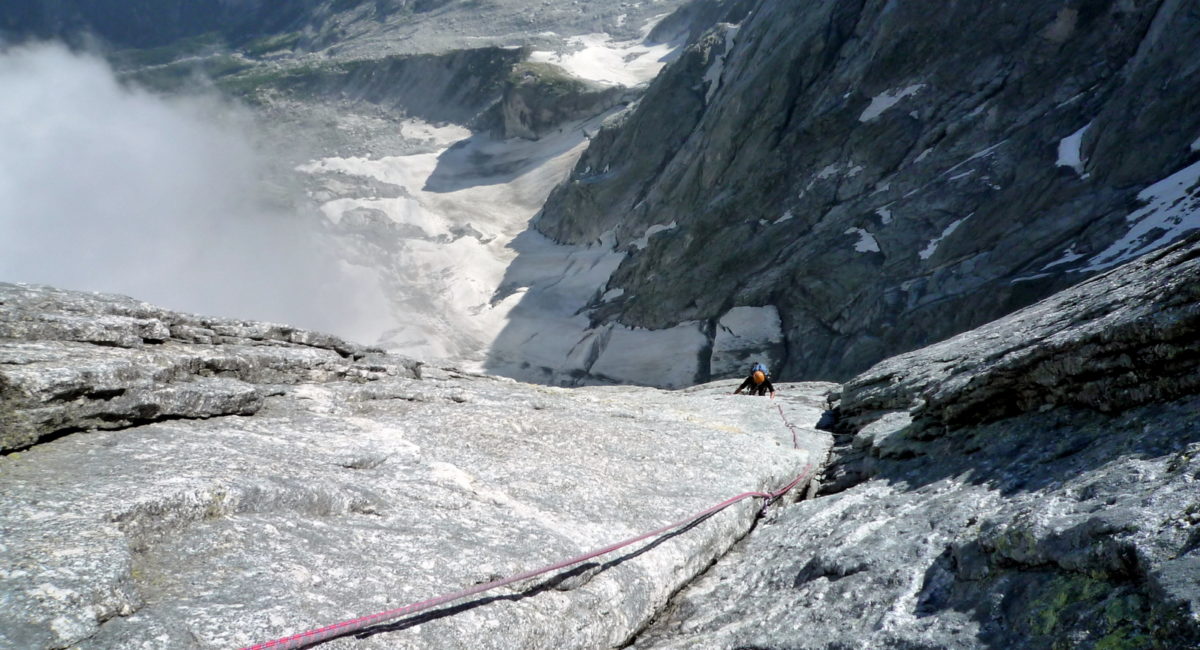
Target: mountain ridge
<point>861,122</point>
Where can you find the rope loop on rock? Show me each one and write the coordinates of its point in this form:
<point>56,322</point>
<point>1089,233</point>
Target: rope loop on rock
<point>795,438</point>
<point>344,628</point>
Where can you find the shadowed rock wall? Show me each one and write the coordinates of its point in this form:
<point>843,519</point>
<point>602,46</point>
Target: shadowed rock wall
<point>886,176</point>
<point>1028,484</point>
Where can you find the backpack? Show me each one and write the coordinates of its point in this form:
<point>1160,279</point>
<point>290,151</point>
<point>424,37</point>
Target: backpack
<point>758,366</point>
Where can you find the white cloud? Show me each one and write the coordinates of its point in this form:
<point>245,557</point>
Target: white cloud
<point>110,188</point>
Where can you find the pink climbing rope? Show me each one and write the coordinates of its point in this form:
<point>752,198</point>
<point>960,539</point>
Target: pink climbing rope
<point>795,441</point>
<point>344,628</point>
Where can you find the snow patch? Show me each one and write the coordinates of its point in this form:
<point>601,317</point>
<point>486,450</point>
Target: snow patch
<point>1068,256</point>
<point>1172,209</point>
<point>597,57</point>
<point>976,156</point>
<point>1196,145</point>
<point>885,214</point>
<point>1028,278</point>
<point>612,294</point>
<point>1072,100</point>
<point>441,249</point>
<point>866,241</point>
<point>712,76</point>
<point>929,250</point>
<point>924,155</point>
<point>745,335</point>
<point>886,100</point>
<point>544,334</point>
<point>433,134</point>
<point>1070,151</point>
<point>787,216</point>
<point>827,172</point>
<point>644,240</point>
<point>668,357</point>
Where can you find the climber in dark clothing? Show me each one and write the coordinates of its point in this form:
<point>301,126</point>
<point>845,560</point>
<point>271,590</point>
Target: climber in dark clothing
<point>758,383</point>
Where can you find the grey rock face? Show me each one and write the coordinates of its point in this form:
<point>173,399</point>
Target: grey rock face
<point>455,86</point>
<point>541,98</point>
<point>73,362</point>
<point>964,512</point>
<point>349,486</point>
<point>361,28</point>
<point>341,29</point>
<point>1119,340</point>
<point>885,177</point>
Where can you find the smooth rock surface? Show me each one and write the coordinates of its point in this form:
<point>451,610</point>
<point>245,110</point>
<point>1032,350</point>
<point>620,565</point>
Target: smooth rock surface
<point>355,487</point>
<point>72,361</point>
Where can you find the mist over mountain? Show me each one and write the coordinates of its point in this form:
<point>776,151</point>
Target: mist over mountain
<point>417,273</point>
<point>107,187</point>
<point>348,141</point>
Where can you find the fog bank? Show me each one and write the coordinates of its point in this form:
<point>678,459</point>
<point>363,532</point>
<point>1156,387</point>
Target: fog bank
<point>104,187</point>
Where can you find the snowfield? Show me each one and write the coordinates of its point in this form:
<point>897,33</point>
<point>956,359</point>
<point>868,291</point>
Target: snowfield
<point>450,230</point>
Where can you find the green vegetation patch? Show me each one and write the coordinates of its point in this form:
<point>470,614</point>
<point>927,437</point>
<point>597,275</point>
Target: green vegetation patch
<point>275,44</point>
<point>192,46</point>
<point>1076,611</point>
<point>550,79</point>
<point>178,75</point>
<point>299,80</point>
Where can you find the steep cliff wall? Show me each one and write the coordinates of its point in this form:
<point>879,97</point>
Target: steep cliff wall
<point>885,176</point>
<point>1028,484</point>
